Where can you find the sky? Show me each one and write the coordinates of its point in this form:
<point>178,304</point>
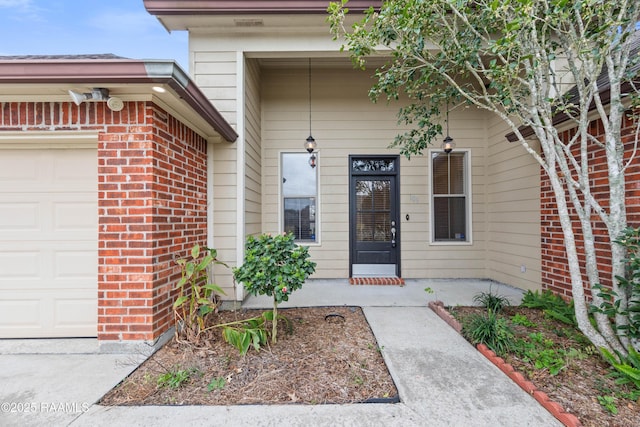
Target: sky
<point>120,27</point>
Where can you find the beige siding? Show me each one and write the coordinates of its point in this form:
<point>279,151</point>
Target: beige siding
<point>345,122</point>
<point>252,157</point>
<point>505,180</point>
<point>224,212</point>
<point>215,73</point>
<point>513,197</point>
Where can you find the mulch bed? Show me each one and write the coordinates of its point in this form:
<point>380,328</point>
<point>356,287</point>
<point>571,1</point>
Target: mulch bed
<point>580,383</point>
<point>331,356</point>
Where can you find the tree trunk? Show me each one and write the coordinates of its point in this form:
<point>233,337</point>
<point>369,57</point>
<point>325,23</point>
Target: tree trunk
<point>274,322</point>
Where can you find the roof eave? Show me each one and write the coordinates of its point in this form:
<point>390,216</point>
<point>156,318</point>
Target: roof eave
<point>120,71</point>
<point>240,7</point>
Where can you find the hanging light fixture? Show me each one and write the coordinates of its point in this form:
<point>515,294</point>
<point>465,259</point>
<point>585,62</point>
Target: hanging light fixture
<point>448,144</point>
<point>310,144</point>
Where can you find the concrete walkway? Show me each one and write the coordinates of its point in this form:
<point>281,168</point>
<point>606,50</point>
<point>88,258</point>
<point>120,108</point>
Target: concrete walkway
<point>441,379</point>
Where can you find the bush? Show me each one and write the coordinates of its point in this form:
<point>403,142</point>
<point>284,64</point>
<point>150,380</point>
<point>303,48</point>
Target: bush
<point>274,266</point>
<point>491,301</point>
<point>552,305</point>
<point>491,330</point>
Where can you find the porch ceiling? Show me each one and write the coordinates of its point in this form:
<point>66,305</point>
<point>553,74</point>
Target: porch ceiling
<point>317,61</point>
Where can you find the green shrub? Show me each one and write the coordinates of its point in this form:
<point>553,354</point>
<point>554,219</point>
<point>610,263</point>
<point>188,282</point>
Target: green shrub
<point>491,301</point>
<point>274,266</point>
<point>627,369</point>
<point>491,330</point>
<point>553,306</point>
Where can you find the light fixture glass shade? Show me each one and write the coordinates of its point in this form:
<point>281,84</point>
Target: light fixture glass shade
<point>448,144</point>
<point>310,144</point>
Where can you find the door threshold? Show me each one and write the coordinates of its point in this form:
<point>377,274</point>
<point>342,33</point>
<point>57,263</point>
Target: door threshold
<point>368,280</point>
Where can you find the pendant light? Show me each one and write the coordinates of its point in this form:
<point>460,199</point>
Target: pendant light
<point>448,144</point>
<point>310,144</point>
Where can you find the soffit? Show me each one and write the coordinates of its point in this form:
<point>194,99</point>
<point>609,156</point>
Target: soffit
<point>247,15</point>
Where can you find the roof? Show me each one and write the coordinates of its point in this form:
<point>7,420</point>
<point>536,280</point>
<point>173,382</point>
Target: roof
<point>50,77</point>
<point>48,57</point>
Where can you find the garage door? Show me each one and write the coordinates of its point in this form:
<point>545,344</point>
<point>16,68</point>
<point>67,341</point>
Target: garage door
<point>48,242</point>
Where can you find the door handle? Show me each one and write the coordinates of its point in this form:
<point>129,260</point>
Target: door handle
<point>393,234</point>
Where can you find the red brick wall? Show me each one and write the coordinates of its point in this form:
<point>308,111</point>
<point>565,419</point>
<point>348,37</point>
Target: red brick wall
<point>152,209</point>
<point>151,205</point>
<point>555,272</point>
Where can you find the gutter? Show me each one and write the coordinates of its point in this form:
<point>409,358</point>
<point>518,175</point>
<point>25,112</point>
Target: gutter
<point>242,7</point>
<point>116,71</point>
<point>172,75</point>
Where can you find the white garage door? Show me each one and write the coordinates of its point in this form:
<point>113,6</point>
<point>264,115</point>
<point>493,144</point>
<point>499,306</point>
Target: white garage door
<point>48,242</point>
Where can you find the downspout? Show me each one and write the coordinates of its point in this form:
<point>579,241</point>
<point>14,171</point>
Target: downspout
<point>240,167</point>
<point>210,195</point>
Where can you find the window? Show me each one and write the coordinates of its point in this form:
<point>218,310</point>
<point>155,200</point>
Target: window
<point>450,196</point>
<point>299,196</point>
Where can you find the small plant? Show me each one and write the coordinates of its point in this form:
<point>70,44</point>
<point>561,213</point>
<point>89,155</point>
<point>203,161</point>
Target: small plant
<point>197,296</point>
<point>608,403</point>
<point>491,301</point>
<point>522,320</point>
<point>242,334</point>
<point>274,266</point>
<point>627,369</point>
<point>175,378</point>
<point>216,384</point>
<point>553,305</point>
<point>549,359</point>
<point>491,330</point>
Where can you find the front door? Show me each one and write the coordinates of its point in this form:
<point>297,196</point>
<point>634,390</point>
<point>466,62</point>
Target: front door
<point>373,212</point>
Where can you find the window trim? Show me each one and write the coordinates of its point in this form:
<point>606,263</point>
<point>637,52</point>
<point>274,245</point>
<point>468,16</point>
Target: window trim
<point>281,154</point>
<point>469,201</point>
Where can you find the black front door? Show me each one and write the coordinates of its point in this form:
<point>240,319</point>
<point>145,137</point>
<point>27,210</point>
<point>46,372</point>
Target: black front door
<point>374,225</point>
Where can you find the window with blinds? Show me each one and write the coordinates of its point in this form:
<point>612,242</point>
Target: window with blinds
<point>299,195</point>
<point>449,184</point>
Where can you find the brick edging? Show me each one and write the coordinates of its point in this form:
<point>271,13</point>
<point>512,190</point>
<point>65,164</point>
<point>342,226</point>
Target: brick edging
<point>542,398</point>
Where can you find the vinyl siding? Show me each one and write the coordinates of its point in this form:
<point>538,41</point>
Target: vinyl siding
<point>505,180</point>
<point>215,73</point>
<point>513,203</point>
<point>225,214</point>
<point>253,160</point>
<point>344,122</point>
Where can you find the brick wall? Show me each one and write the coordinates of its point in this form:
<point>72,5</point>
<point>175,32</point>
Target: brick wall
<point>152,205</point>
<point>555,272</point>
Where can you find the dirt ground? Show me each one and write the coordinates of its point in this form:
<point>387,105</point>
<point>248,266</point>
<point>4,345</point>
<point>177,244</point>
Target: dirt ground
<point>330,356</point>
